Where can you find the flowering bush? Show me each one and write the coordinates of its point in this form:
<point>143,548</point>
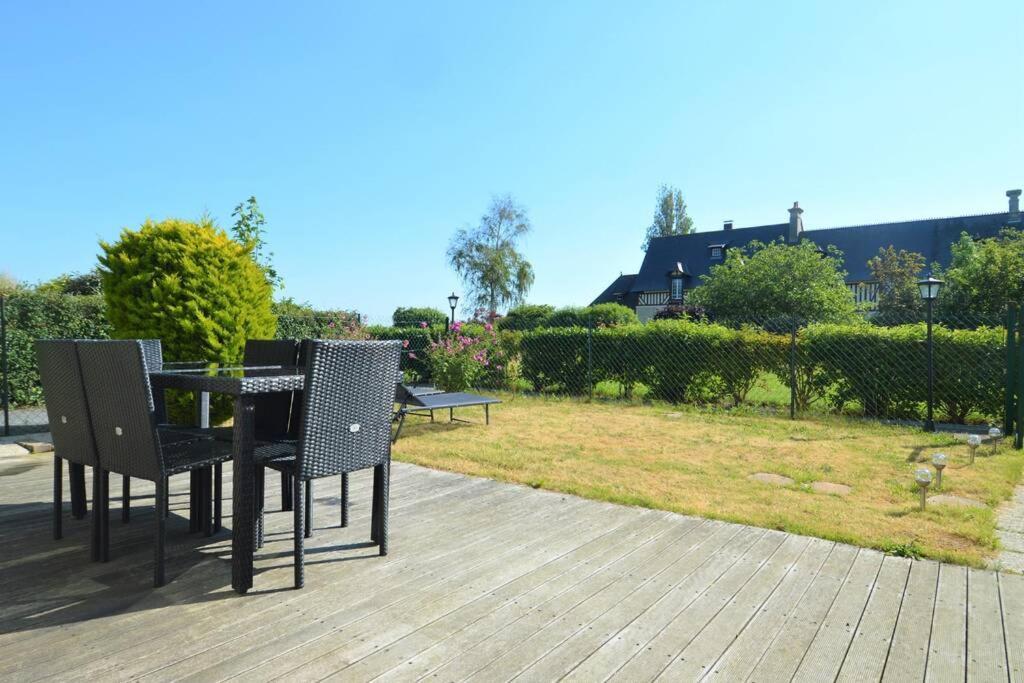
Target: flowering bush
<point>463,359</point>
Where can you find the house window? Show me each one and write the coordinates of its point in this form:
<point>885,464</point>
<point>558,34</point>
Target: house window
<point>716,253</point>
<point>677,289</point>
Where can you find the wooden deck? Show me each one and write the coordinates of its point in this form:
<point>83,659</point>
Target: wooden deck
<point>487,581</point>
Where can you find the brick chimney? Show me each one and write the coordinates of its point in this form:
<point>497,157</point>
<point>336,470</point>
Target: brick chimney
<point>727,225</point>
<point>1014,196</point>
<point>796,224</point>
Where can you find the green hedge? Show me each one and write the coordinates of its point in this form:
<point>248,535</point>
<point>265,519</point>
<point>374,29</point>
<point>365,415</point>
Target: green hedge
<point>32,316</point>
<point>414,316</point>
<point>885,369</point>
<point>878,372</point>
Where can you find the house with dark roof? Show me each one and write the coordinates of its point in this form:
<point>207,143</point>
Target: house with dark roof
<point>675,264</point>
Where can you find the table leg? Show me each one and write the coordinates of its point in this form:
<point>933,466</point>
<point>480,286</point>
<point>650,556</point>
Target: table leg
<point>242,498</point>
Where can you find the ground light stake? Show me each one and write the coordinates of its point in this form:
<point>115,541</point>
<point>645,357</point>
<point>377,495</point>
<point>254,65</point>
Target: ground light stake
<point>923,477</point>
<point>973,441</point>
<point>939,461</point>
<point>994,435</point>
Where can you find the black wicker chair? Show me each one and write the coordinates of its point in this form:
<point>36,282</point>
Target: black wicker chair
<point>344,425</point>
<point>128,441</point>
<point>70,427</point>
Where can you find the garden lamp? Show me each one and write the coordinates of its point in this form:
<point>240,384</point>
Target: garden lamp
<point>929,292</point>
<point>923,477</point>
<point>939,461</point>
<point>994,435</point>
<point>453,301</point>
<point>973,441</point>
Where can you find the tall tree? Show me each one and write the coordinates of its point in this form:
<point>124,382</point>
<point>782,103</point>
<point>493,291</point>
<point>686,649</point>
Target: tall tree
<point>248,229</point>
<point>897,273</point>
<point>486,257</point>
<point>670,216</point>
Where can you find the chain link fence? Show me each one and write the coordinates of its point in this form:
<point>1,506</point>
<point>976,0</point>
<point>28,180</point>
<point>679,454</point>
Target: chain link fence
<point>876,367</point>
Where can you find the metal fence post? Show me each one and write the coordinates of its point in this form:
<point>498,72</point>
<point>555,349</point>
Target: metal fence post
<point>1011,371</point>
<point>5,389</point>
<point>792,373</point>
<point>590,356</point>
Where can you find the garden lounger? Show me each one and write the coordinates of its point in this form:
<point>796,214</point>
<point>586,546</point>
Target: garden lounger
<point>420,400</point>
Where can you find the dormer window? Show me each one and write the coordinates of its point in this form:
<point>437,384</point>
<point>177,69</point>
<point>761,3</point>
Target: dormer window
<point>716,253</point>
<point>675,283</point>
<point>677,289</point>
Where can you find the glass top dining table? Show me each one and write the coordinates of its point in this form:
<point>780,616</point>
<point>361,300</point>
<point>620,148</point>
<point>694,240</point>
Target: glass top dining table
<point>245,384</point>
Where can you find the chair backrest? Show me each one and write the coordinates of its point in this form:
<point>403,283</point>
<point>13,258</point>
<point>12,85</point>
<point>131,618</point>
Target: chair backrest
<point>346,408</point>
<point>303,360</point>
<point>121,407</point>
<point>66,406</point>
<point>272,411</point>
<point>152,353</point>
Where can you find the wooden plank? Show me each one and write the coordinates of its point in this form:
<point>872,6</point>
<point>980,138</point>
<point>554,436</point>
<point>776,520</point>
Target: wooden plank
<point>946,651</point>
<point>409,657</point>
<point>580,637</point>
<point>687,623</point>
<point>986,644</point>
<point>473,660</point>
<point>908,653</point>
<point>825,654</point>
<point>700,654</point>
<point>753,641</point>
<point>788,645</point>
<point>445,650</point>
<point>635,635</point>
<point>583,604</point>
<point>1011,600</point>
<point>865,660</point>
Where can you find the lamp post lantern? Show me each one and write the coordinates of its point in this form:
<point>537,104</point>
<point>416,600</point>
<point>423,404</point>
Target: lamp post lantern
<point>994,435</point>
<point>453,301</point>
<point>929,288</point>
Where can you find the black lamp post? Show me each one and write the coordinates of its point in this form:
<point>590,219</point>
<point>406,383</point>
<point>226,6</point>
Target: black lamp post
<point>930,292</point>
<point>453,301</point>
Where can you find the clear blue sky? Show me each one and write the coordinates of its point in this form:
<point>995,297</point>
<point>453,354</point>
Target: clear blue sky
<point>369,132</point>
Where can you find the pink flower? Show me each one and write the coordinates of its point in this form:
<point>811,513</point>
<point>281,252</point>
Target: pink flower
<point>488,327</point>
<point>331,325</point>
<point>423,324</point>
<point>412,355</point>
<point>456,327</point>
<point>499,367</point>
<point>405,343</point>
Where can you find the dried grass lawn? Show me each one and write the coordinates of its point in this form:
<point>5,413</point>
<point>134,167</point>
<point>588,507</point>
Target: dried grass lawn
<point>697,462</point>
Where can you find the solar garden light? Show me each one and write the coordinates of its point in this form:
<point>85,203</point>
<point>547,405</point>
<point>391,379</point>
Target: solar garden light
<point>923,477</point>
<point>939,460</point>
<point>973,441</point>
<point>930,292</point>
<point>994,435</point>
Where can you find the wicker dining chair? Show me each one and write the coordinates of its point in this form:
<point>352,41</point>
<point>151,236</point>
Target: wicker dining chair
<point>344,426</point>
<point>70,427</point>
<point>128,440</point>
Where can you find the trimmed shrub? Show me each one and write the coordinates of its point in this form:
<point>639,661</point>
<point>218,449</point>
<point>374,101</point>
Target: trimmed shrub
<point>526,317</point>
<point>556,359</point>
<point>191,286</point>
<point>415,342</point>
<point>413,316</point>
<point>598,315</point>
<point>38,315</point>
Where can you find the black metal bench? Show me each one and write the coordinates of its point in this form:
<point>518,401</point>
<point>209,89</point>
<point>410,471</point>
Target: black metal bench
<point>424,400</point>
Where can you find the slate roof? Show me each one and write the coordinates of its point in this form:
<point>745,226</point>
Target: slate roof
<point>930,237</point>
<point>622,285</point>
